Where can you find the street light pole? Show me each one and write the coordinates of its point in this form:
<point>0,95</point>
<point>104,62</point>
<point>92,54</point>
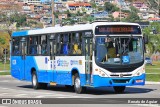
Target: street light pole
<point>53,17</point>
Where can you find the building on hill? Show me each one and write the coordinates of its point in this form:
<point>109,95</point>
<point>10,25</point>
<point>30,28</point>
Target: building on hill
<point>73,7</point>
<point>32,1</point>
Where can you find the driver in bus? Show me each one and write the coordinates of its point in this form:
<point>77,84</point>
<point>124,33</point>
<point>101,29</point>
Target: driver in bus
<point>110,48</point>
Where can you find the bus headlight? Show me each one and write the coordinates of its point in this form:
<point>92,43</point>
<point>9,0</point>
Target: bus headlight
<point>139,72</point>
<point>102,73</point>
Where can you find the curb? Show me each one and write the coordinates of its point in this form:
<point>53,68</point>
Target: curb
<point>152,83</point>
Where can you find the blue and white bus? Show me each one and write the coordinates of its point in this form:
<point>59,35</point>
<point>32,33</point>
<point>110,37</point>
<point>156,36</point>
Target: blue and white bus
<point>89,55</point>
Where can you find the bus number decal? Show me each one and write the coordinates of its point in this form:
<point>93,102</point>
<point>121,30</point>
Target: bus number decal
<point>14,62</point>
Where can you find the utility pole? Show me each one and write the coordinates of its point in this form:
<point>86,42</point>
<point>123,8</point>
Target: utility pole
<point>120,14</point>
<point>53,18</point>
<point>159,8</point>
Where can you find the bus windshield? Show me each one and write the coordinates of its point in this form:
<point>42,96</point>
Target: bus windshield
<point>119,50</point>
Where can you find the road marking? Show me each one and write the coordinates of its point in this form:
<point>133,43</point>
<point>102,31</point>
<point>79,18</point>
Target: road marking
<point>23,93</point>
<point>15,81</point>
<point>20,95</point>
<point>3,93</point>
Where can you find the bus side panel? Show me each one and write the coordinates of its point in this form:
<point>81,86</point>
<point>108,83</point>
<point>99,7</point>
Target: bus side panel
<point>64,67</point>
<point>39,63</point>
<point>30,63</point>
<point>16,71</point>
<point>63,77</point>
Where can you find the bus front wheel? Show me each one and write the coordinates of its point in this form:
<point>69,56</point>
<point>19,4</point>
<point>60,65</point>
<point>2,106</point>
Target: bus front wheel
<point>36,84</point>
<point>77,85</point>
<point>119,89</point>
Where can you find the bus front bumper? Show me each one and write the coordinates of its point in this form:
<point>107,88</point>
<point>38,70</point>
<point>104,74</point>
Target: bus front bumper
<point>110,81</point>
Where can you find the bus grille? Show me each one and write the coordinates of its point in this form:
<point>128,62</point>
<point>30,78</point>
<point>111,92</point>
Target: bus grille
<point>121,80</point>
<point>121,69</point>
<point>117,75</point>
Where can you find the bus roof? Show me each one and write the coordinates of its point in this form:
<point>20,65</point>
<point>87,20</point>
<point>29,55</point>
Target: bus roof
<point>58,29</point>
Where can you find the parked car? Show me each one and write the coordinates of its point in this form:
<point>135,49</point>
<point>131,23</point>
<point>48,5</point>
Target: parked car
<point>148,60</point>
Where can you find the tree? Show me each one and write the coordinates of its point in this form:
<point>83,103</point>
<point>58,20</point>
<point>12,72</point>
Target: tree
<point>110,7</point>
<point>154,5</point>
<point>153,46</point>
<point>2,41</point>
<point>133,17</point>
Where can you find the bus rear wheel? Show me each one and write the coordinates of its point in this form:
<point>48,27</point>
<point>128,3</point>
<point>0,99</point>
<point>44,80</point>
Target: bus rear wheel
<point>36,84</point>
<point>77,85</point>
<point>119,89</point>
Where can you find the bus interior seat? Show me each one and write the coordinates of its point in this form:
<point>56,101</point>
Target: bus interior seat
<point>65,49</point>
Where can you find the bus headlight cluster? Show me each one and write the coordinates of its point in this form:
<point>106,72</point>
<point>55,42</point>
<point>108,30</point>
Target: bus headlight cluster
<point>140,72</point>
<point>102,73</point>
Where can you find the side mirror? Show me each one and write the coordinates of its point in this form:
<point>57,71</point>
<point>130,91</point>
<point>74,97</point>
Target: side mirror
<point>146,39</point>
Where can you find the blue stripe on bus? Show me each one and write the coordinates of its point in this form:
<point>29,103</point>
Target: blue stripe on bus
<point>20,33</point>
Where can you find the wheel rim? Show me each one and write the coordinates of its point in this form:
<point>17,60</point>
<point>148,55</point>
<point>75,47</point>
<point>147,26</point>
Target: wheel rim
<point>34,80</point>
<point>77,83</point>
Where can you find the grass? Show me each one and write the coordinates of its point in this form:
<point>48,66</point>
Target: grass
<point>155,68</point>
<point>4,73</point>
<point>7,68</point>
<point>153,77</point>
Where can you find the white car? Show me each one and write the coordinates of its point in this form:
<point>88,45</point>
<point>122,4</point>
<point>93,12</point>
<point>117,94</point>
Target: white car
<point>148,61</point>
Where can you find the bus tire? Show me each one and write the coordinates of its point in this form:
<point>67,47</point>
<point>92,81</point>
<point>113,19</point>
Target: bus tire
<point>77,85</point>
<point>35,83</point>
<point>119,89</point>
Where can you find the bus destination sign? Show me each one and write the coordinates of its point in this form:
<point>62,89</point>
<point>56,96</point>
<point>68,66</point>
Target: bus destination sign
<point>118,29</point>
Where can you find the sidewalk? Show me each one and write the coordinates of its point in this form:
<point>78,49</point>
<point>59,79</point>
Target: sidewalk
<point>5,71</point>
<point>151,83</point>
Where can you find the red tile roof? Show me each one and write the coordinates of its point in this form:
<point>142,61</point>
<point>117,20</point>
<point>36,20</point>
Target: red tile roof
<point>79,4</point>
<point>154,19</point>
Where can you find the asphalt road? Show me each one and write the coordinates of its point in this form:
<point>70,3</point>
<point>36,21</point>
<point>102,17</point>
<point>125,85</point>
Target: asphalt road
<point>12,88</point>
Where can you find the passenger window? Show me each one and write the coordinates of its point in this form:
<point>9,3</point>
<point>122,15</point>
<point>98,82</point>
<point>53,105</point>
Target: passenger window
<point>33,45</point>
<point>65,48</point>
<point>16,46</point>
<point>43,44</point>
<point>77,44</point>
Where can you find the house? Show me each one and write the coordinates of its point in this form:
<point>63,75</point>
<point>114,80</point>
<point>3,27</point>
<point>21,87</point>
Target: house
<point>154,19</point>
<point>62,16</point>
<point>79,6</point>
<point>103,14</point>
<point>118,14</point>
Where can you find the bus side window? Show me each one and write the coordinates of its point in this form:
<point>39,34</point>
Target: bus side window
<point>43,44</point>
<point>65,44</point>
<point>15,46</point>
<point>33,45</point>
<point>77,41</point>
<point>44,47</point>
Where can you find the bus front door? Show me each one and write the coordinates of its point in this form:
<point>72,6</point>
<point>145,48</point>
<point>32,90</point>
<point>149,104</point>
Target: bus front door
<point>23,50</point>
<point>88,62</point>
